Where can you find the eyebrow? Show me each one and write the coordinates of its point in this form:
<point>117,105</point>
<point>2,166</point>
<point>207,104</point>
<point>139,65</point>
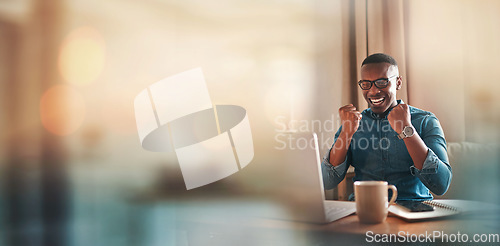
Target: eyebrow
<point>380,78</point>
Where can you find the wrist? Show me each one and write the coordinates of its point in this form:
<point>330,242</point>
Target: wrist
<point>346,135</point>
<point>407,132</point>
<point>399,125</point>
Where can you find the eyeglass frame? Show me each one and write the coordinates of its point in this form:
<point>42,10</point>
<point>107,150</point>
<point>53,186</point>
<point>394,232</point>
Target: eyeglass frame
<point>373,82</point>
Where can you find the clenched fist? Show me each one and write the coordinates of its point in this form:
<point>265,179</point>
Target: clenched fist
<point>399,117</point>
<point>350,119</point>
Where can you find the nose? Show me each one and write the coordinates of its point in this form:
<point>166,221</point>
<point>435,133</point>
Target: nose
<point>374,90</point>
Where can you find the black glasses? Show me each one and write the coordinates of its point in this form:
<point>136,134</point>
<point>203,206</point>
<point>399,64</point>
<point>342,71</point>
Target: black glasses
<point>379,83</point>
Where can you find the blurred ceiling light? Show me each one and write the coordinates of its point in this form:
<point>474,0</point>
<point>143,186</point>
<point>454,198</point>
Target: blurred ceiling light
<point>16,11</point>
<point>62,110</point>
<point>82,56</point>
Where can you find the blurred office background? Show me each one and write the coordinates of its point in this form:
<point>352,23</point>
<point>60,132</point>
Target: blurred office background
<point>73,171</point>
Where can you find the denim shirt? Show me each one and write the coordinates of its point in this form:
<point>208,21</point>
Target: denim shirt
<point>376,153</point>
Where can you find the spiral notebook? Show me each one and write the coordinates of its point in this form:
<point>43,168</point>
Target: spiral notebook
<point>444,208</point>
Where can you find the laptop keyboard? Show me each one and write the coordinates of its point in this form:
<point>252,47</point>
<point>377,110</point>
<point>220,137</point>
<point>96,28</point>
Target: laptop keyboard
<point>334,210</point>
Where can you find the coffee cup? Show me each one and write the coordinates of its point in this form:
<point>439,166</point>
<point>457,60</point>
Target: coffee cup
<point>372,200</point>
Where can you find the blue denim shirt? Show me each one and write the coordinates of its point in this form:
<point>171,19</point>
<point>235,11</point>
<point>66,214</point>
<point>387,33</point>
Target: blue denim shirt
<point>376,153</point>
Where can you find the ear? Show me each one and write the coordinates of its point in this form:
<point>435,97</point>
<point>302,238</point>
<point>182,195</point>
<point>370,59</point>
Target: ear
<point>399,83</point>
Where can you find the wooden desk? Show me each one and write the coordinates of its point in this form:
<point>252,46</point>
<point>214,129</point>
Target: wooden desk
<point>226,223</point>
<point>351,225</point>
<point>350,231</point>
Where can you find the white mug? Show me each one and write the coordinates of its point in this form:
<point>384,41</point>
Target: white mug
<point>371,200</point>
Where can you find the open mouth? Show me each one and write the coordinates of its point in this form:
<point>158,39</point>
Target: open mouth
<point>377,101</point>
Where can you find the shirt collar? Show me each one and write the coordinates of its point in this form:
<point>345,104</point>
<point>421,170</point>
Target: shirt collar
<point>375,116</point>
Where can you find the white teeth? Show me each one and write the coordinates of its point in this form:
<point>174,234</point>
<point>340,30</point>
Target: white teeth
<point>377,101</point>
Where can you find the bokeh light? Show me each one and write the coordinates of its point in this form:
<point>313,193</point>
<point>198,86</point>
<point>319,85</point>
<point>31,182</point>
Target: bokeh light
<point>82,56</point>
<point>62,110</point>
<point>117,112</point>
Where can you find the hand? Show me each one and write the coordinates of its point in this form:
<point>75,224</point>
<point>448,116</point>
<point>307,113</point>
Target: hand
<point>399,117</point>
<point>350,119</point>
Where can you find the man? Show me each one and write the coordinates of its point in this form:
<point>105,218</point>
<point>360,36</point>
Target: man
<point>390,140</point>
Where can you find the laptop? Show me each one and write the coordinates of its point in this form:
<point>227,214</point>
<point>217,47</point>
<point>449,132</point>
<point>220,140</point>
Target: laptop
<point>302,182</point>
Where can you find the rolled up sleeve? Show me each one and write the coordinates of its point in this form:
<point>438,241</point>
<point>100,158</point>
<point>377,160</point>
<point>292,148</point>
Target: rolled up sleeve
<point>436,171</point>
<point>332,176</point>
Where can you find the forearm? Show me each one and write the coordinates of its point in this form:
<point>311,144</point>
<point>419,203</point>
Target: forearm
<point>334,174</point>
<point>336,163</point>
<point>433,168</point>
<point>435,174</point>
<point>417,149</point>
<point>338,152</point>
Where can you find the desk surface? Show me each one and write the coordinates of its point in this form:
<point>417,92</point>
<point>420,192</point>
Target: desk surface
<point>204,221</point>
<point>351,225</point>
<point>350,231</point>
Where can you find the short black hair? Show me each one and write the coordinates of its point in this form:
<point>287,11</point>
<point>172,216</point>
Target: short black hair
<point>378,58</point>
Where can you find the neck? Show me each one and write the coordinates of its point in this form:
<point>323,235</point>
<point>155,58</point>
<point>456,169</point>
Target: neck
<point>382,115</point>
<point>385,113</point>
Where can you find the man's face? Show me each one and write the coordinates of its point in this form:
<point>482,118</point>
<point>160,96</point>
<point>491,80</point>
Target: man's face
<point>380,100</point>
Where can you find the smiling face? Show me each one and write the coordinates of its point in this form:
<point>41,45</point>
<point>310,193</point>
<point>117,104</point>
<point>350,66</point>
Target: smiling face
<point>380,100</point>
